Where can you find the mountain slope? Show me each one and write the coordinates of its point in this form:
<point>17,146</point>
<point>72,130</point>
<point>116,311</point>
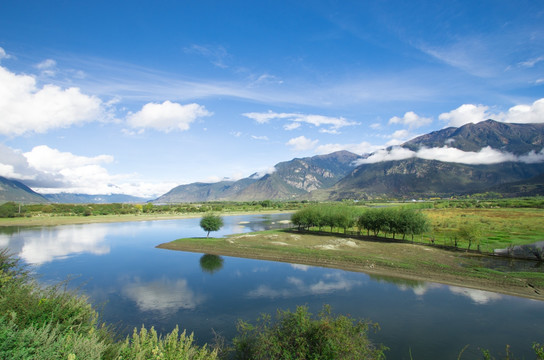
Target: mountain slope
<point>416,177</point>
<point>11,190</point>
<point>518,139</point>
<point>289,180</point>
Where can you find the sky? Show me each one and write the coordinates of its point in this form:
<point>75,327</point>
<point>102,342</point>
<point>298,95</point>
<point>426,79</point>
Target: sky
<point>137,97</point>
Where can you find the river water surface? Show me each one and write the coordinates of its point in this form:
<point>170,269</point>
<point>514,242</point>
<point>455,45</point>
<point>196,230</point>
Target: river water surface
<point>132,283</point>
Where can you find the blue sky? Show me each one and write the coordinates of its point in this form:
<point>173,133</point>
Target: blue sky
<point>137,97</point>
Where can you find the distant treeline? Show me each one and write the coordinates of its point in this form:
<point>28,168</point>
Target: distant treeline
<point>12,209</point>
<point>395,221</point>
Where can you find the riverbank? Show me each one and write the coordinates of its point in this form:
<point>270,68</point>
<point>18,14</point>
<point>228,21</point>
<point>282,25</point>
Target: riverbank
<point>45,220</point>
<point>380,258</point>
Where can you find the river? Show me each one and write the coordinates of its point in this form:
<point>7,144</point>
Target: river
<point>130,282</point>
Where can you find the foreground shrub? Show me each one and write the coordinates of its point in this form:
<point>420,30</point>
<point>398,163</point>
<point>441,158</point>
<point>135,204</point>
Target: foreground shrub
<point>298,336</point>
<point>149,345</point>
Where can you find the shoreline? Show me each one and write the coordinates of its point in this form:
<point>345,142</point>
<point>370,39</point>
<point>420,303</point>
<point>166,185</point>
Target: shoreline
<point>398,260</point>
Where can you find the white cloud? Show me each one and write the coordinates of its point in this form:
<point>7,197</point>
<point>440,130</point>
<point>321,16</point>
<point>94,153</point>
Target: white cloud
<point>291,126</point>
<point>361,148</point>
<point>485,156</point>
<point>26,108</point>
<point>466,113</point>
<point>167,116</point>
<point>47,67</point>
<point>302,143</point>
<point>395,153</point>
<point>43,158</point>
<point>333,123</point>
<point>469,113</point>
<point>375,126</point>
<point>533,113</point>
<point>48,170</point>
<point>3,54</point>
<point>262,137</point>
<point>531,62</point>
<point>411,119</point>
<point>216,54</point>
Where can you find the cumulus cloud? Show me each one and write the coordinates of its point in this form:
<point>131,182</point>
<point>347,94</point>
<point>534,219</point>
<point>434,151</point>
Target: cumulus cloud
<point>302,143</point>
<point>486,156</point>
<point>533,113</point>
<point>25,107</point>
<point>466,113</point>
<point>167,116</point>
<point>332,123</point>
<point>48,170</point>
<point>411,119</point>
<point>469,113</point>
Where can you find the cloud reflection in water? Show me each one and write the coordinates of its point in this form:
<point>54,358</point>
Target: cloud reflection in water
<point>48,244</point>
<point>330,283</point>
<point>164,295</point>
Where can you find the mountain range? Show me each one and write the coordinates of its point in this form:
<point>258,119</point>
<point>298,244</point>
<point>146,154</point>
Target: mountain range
<point>489,156</point>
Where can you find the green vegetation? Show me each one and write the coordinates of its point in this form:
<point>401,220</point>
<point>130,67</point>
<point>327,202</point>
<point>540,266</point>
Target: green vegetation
<point>12,210</point>
<point>211,223</point>
<point>403,220</point>
<point>53,323</point>
<point>296,336</point>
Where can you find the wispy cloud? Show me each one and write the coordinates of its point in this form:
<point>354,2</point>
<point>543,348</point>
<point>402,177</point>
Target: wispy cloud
<point>295,120</point>
<point>216,54</point>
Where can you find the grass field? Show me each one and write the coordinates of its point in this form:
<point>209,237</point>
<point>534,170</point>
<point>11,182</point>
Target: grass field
<point>497,228</point>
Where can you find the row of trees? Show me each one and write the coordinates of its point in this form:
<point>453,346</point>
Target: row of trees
<point>395,221</point>
<point>12,209</point>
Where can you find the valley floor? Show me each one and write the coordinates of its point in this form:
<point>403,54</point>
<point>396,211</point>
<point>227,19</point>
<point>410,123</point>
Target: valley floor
<point>376,258</point>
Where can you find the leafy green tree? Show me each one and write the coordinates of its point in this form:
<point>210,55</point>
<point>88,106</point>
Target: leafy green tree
<point>210,223</point>
<point>470,233</point>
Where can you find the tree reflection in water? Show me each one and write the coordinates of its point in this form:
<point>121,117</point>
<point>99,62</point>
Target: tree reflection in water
<point>211,263</point>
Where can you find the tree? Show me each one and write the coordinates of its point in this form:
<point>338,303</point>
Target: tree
<point>210,223</point>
